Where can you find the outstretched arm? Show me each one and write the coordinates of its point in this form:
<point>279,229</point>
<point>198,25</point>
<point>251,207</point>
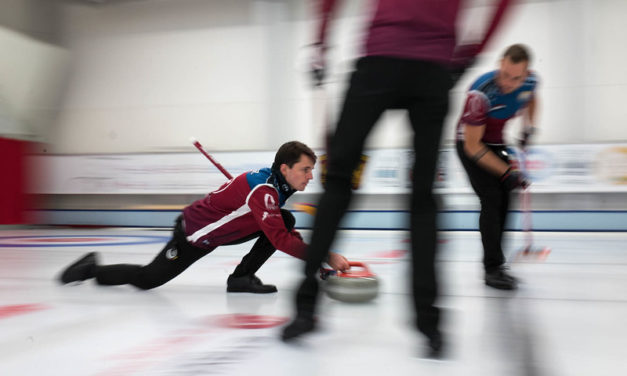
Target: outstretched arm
<point>263,203</point>
<point>496,20</point>
<point>324,8</point>
<point>464,55</point>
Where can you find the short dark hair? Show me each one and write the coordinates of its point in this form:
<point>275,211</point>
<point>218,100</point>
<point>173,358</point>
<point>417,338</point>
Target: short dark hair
<point>517,53</point>
<point>290,153</point>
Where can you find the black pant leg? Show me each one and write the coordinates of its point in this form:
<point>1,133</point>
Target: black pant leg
<point>261,250</point>
<point>372,89</point>
<point>427,111</point>
<point>174,258</point>
<point>118,274</point>
<point>491,220</point>
<point>494,200</point>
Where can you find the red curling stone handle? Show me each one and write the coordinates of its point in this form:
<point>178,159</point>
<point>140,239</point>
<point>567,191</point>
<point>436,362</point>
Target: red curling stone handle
<point>365,272</point>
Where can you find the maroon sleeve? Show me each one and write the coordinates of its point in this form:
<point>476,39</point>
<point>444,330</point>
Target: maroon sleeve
<point>324,9</point>
<point>263,202</point>
<point>497,19</point>
<point>476,108</point>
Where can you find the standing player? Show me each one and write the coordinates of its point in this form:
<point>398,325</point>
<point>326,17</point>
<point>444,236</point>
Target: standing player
<point>242,209</point>
<point>407,56</point>
<point>493,99</point>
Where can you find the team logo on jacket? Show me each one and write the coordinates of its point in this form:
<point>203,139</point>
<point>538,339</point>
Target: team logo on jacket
<point>171,254</point>
<point>475,104</point>
<point>267,215</point>
<point>268,200</point>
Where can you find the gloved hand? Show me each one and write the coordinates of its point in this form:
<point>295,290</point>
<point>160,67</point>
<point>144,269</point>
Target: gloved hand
<point>513,179</point>
<point>318,63</point>
<point>464,57</point>
<point>526,134</point>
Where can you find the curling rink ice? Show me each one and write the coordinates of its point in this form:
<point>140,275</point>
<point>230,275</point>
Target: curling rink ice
<point>568,318</point>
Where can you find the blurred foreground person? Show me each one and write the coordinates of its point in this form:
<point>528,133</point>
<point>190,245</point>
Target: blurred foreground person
<point>493,99</point>
<point>242,209</point>
<point>410,62</point>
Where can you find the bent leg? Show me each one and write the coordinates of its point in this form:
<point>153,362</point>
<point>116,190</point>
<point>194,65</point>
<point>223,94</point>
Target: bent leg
<point>261,250</point>
<point>492,215</point>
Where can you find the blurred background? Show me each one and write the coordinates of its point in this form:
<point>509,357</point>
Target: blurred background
<point>99,98</point>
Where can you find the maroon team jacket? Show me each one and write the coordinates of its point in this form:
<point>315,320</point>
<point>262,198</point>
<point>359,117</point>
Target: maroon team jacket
<point>247,204</point>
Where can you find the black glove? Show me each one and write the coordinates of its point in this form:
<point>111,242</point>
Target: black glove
<point>318,63</point>
<point>526,134</point>
<point>464,57</point>
<point>513,179</point>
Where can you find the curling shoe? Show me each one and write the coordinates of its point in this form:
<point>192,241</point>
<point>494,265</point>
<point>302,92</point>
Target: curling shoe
<point>248,283</point>
<point>298,327</point>
<point>80,270</point>
<point>500,279</point>
<point>436,346</point>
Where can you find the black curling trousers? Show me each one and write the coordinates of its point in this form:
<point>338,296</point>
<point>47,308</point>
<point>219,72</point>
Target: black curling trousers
<point>381,83</point>
<point>494,200</point>
<point>178,254</point>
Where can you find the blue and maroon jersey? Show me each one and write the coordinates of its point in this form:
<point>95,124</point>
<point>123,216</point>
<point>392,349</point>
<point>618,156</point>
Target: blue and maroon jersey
<point>244,205</point>
<point>487,105</point>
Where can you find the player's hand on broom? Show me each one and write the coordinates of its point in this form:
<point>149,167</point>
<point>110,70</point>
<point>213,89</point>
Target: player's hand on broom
<point>513,179</point>
<point>338,262</point>
<point>525,137</point>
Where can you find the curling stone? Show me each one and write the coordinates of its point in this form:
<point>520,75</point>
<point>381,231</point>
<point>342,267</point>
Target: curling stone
<point>352,286</point>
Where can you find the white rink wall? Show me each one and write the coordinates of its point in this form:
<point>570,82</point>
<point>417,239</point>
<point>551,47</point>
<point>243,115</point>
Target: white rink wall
<point>147,75</point>
<point>574,188</point>
<point>124,80</point>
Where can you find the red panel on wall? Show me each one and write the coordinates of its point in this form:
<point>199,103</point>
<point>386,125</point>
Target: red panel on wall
<point>13,178</point>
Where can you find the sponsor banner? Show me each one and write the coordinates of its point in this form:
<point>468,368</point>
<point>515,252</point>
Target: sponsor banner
<point>157,173</point>
<point>552,168</point>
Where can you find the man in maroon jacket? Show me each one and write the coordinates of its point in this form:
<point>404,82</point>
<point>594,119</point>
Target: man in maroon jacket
<point>244,208</point>
<point>410,60</point>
